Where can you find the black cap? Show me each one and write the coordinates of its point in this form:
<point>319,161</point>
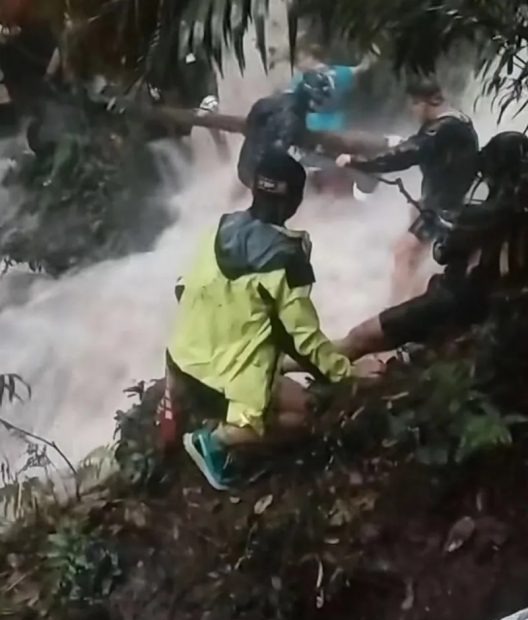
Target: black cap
<point>278,174</point>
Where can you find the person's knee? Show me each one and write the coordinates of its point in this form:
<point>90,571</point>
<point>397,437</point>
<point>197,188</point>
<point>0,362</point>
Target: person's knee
<point>294,421</point>
<point>234,436</point>
<point>291,396</point>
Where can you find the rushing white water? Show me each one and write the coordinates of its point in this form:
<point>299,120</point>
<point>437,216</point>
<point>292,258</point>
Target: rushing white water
<point>79,341</point>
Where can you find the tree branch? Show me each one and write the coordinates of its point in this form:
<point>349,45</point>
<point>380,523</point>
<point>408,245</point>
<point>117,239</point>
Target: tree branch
<point>51,444</point>
<point>13,395</point>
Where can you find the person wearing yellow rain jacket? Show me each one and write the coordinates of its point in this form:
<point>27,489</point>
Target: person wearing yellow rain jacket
<point>245,303</point>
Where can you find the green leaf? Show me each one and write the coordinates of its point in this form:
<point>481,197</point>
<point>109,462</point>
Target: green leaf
<point>481,433</point>
<point>259,12</point>
<point>218,18</point>
<point>293,23</point>
<point>437,454</point>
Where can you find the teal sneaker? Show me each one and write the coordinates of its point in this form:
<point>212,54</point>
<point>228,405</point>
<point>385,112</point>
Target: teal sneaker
<point>211,458</point>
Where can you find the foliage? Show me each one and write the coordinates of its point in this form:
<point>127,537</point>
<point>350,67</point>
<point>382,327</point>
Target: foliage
<point>137,452</point>
<point>416,33</point>
<point>83,198</point>
<point>310,534</point>
<point>93,467</point>
<point>446,418</point>
<point>10,385</point>
<point>502,356</point>
<point>83,568</point>
<point>151,38</point>
<point>20,496</point>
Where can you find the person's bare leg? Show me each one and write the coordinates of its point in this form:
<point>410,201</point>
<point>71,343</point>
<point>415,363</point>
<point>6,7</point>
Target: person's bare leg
<point>291,420</point>
<point>364,339</point>
<point>409,256</point>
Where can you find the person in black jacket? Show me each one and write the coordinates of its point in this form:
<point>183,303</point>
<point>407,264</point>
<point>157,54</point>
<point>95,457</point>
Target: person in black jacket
<point>484,250</point>
<point>279,122</point>
<point>446,151</point>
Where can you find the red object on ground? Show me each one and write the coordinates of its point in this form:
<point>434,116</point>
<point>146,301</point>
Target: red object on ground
<point>170,422</point>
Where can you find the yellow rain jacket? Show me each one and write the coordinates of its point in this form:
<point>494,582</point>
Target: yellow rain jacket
<point>245,303</point>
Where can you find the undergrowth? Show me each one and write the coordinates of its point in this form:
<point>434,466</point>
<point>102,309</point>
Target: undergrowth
<point>440,409</point>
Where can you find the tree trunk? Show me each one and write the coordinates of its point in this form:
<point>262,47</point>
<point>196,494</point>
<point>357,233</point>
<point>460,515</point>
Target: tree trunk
<point>355,142</point>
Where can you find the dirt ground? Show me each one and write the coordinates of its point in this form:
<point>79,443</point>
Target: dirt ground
<point>349,526</point>
<point>336,539</point>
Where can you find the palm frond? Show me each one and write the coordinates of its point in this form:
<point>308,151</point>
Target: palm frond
<point>157,35</point>
<point>10,385</point>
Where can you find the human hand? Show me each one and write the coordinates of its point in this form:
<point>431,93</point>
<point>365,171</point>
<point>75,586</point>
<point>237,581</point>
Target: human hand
<point>209,105</point>
<point>394,140</point>
<point>343,160</point>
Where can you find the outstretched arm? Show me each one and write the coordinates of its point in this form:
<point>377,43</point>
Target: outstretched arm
<point>408,153</point>
<point>299,318</point>
<point>368,61</point>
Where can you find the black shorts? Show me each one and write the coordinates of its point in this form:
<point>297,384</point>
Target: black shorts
<point>198,397</point>
<point>448,305</point>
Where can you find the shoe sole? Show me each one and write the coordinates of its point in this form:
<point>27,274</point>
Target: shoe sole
<point>199,461</point>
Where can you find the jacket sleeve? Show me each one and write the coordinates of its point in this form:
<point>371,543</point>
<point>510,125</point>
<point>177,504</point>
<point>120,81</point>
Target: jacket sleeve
<point>413,151</point>
<point>315,351</point>
<point>409,153</point>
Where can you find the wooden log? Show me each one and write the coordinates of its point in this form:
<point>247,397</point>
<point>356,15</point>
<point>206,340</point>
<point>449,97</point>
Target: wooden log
<point>194,118</point>
<point>354,142</point>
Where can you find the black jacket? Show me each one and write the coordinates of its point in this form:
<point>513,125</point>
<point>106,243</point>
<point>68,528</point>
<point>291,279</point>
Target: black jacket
<point>446,150</point>
<point>278,121</point>
<point>491,238</point>
<point>485,252</point>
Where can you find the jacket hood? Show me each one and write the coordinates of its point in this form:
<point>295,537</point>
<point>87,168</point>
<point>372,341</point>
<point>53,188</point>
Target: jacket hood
<point>245,245</point>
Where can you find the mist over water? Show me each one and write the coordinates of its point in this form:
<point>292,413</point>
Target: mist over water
<point>80,340</point>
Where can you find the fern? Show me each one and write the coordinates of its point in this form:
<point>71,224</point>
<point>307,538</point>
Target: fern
<point>91,469</point>
<point>21,498</point>
<point>483,432</point>
<point>446,419</point>
<point>84,568</point>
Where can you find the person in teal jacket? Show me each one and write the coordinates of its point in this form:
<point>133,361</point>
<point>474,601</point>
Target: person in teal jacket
<point>333,115</point>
